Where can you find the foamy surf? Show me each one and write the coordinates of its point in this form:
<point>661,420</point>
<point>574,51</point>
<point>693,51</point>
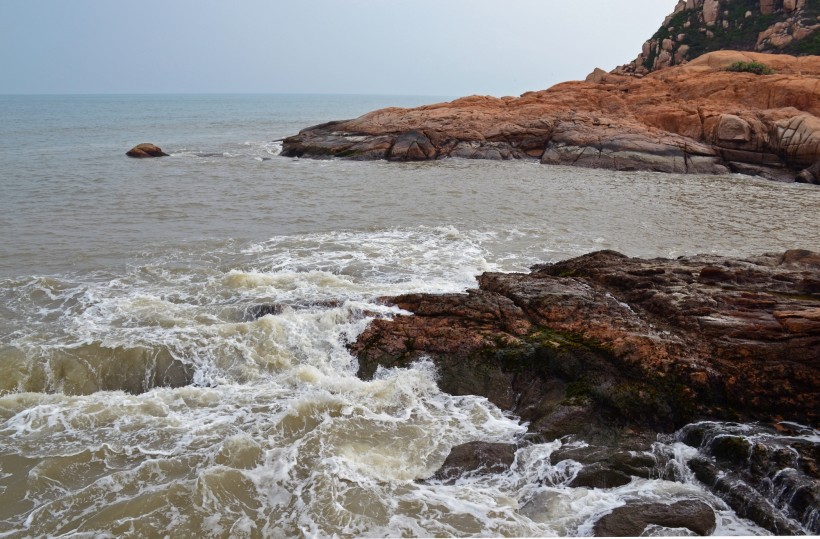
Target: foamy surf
<point>173,331</point>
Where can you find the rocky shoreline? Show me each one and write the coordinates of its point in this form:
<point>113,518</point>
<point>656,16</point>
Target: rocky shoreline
<point>616,351</point>
<point>695,118</point>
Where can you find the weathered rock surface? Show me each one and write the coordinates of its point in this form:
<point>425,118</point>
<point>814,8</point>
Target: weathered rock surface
<point>145,150</point>
<point>697,118</point>
<point>696,27</point>
<point>604,342</point>
<point>613,350</point>
<point>632,519</point>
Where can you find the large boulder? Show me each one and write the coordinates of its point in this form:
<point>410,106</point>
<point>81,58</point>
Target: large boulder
<point>145,150</point>
<point>632,519</point>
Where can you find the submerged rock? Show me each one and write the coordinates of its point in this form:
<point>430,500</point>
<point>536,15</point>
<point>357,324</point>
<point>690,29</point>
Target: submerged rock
<point>476,457</point>
<point>145,150</point>
<point>696,118</point>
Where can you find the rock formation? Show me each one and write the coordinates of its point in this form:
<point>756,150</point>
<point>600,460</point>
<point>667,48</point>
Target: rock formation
<point>700,26</point>
<point>696,118</point>
<point>145,150</point>
<point>650,343</point>
<point>613,350</point>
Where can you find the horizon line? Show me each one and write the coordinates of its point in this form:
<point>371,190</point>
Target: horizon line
<point>80,94</point>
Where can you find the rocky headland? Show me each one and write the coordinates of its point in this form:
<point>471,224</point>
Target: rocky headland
<point>615,351</point>
<point>695,118</point>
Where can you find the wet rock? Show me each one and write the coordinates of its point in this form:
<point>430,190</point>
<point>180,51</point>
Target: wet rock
<point>810,175</point>
<point>604,347</point>
<point>599,476</point>
<point>765,473</point>
<point>412,146</point>
<point>637,461</point>
<point>145,150</point>
<point>734,449</point>
<point>632,519</point>
<point>603,341</point>
<point>476,457</point>
<point>255,312</point>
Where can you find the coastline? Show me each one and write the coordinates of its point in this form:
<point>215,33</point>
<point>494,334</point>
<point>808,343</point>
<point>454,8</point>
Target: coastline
<point>696,118</point>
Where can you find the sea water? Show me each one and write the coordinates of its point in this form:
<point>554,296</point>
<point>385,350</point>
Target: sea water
<point>140,397</point>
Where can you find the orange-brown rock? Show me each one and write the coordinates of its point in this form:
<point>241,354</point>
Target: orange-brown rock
<point>695,118</point>
<point>145,150</point>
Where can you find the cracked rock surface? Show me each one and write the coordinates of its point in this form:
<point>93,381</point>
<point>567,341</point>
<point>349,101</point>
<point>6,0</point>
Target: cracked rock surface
<point>695,118</point>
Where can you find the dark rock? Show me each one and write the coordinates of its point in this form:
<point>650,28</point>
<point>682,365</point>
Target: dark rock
<point>599,476</point>
<point>810,175</point>
<point>412,146</point>
<point>735,449</point>
<point>145,150</point>
<point>631,520</point>
<point>619,462</point>
<point>476,457</point>
<point>705,471</point>
<point>603,341</point>
<point>255,312</point>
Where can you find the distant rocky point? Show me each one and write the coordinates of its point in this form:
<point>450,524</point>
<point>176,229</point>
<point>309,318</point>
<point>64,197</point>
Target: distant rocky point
<point>694,118</point>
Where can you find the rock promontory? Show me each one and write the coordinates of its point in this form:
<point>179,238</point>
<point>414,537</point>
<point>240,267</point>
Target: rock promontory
<point>612,351</point>
<point>694,118</point>
<point>648,343</point>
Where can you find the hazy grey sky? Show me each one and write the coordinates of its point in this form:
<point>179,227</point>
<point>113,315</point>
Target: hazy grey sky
<point>424,47</point>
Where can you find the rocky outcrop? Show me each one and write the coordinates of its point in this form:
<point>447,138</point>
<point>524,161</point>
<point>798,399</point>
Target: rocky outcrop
<point>145,150</point>
<point>696,27</point>
<point>613,350</point>
<point>768,475</point>
<point>697,118</point>
<point>603,342</point>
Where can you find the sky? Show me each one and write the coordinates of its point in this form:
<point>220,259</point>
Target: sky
<point>385,47</point>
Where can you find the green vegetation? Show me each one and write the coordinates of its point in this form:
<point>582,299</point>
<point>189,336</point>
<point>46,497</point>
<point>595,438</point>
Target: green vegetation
<point>807,45</point>
<point>750,67</point>
<point>741,32</point>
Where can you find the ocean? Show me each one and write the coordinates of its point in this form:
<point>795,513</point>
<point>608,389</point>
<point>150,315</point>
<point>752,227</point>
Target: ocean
<point>140,397</point>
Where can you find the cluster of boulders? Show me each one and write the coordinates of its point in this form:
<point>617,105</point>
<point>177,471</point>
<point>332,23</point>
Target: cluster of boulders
<point>699,26</point>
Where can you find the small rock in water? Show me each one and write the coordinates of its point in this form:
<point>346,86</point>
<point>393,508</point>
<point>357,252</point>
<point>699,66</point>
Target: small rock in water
<point>145,150</point>
<point>480,457</point>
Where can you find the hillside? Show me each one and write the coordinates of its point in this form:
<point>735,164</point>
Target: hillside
<point>697,27</point>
